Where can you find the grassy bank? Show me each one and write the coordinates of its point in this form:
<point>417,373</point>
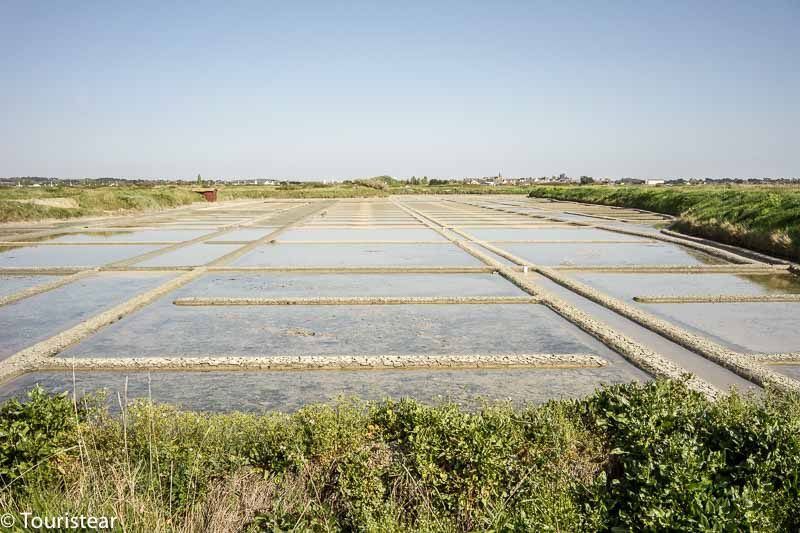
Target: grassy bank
<point>765,219</point>
<point>311,190</point>
<point>359,189</point>
<point>16,205</point>
<point>656,456</point>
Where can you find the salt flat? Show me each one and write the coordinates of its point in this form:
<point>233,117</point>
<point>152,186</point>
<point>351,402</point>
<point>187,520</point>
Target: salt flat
<point>87,307</point>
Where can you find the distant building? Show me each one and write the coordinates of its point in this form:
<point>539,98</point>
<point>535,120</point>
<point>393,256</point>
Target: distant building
<point>654,182</point>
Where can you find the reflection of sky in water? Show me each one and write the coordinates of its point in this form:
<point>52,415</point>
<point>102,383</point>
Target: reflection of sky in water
<point>760,327</point>
<point>245,234</point>
<point>133,236</point>
<point>300,330</point>
<point>756,327</point>
<point>277,284</point>
<point>609,254</point>
<point>627,285</point>
<point>361,234</point>
<point>444,254</point>
<point>33,319</point>
<point>550,234</point>
<point>192,255</point>
<point>164,329</point>
<point>289,390</point>
<point>13,284</point>
<point>68,256</point>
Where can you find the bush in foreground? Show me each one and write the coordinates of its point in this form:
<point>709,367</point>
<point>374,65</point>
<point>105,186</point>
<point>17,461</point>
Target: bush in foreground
<point>654,456</point>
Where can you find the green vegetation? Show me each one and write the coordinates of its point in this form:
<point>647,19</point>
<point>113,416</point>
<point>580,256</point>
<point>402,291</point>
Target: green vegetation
<point>379,186</point>
<point>16,204</point>
<point>764,218</point>
<point>655,457</point>
<point>300,190</point>
<point>39,203</point>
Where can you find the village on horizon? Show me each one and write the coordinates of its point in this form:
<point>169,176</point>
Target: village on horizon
<point>499,180</point>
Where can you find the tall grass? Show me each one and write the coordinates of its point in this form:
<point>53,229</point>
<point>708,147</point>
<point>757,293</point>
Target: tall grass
<point>765,219</point>
<point>90,201</point>
<point>654,456</point>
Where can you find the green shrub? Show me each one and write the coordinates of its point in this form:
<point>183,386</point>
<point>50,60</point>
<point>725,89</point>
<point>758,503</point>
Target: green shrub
<point>33,436</point>
<point>497,468</point>
<point>680,462</point>
<point>632,457</point>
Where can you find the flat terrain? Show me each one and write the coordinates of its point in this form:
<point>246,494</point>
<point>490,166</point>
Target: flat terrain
<point>61,202</point>
<point>762,218</point>
<point>272,304</point>
<point>430,307</point>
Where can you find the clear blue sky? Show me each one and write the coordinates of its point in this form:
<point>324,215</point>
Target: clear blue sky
<point>343,89</point>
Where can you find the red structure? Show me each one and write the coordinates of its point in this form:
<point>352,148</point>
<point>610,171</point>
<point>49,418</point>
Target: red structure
<point>209,194</point>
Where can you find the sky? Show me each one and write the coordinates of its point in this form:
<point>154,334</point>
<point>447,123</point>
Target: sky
<point>326,89</point>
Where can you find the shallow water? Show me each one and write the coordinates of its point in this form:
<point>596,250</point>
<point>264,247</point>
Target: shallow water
<point>357,255</point>
<point>628,285</point>
<point>192,255</point>
<point>550,234</point>
<point>361,234</point>
<point>793,371</point>
<point>36,318</point>
<point>597,254</point>
<point>759,327</point>
<point>696,364</point>
<point>285,284</point>
<point>288,391</point>
<point>163,329</point>
<point>302,330</point>
<point>756,327</point>
<point>14,284</point>
<point>69,256</point>
<point>246,234</point>
<point>496,257</point>
<point>181,226</point>
<point>134,236</point>
<point>189,221</point>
